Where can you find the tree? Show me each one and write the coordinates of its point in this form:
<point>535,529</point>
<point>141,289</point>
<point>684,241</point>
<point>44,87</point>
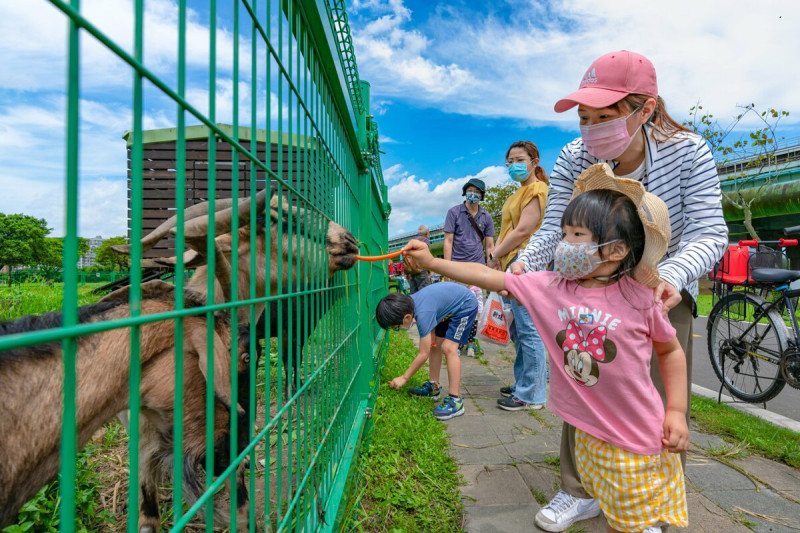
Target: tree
<point>753,157</point>
<point>22,240</point>
<point>108,258</point>
<point>494,199</point>
<point>53,251</point>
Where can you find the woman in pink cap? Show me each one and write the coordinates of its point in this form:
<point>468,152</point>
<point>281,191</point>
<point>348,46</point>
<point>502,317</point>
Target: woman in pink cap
<point>624,122</point>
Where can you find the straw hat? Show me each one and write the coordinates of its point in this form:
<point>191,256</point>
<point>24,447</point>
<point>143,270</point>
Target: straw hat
<point>652,211</point>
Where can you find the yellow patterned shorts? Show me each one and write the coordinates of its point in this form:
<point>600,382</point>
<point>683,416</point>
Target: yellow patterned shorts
<point>634,491</point>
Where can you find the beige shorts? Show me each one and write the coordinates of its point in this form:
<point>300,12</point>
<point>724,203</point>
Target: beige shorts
<point>634,491</point>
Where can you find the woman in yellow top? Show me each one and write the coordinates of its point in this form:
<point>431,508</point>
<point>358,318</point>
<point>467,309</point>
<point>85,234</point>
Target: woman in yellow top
<point>523,212</point>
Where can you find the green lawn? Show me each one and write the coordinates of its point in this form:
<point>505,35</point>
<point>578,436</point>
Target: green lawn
<point>408,480</point>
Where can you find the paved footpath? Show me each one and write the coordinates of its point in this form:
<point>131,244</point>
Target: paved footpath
<point>507,462</point>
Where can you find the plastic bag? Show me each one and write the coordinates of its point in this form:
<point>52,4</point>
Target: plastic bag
<point>493,324</point>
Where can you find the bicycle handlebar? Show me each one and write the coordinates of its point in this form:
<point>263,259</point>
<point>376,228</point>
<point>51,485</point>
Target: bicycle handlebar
<point>780,242</point>
<point>793,230</point>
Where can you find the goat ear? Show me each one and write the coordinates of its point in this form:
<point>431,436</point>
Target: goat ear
<point>222,365</point>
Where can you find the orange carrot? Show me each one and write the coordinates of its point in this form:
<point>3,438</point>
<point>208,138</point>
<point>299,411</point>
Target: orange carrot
<point>379,257</point>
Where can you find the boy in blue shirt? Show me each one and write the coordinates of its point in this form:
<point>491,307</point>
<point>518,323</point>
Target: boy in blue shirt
<point>444,313</point>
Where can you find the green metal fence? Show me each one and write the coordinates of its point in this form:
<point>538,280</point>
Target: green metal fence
<point>293,75</point>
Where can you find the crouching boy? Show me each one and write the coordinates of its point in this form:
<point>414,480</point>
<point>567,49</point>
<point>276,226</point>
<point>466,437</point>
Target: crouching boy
<point>444,313</point>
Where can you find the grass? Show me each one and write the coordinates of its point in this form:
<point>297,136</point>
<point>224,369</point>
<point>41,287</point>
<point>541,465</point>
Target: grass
<point>747,432</point>
<point>37,298</point>
<point>408,480</point>
<point>704,304</point>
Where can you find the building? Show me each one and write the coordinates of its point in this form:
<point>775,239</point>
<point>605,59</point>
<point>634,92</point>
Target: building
<point>88,259</point>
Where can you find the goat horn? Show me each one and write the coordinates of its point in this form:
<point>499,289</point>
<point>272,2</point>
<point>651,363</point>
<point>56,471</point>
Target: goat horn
<point>190,213</point>
<point>223,217</point>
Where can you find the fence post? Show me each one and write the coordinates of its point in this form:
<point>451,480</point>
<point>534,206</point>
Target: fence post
<point>366,231</point>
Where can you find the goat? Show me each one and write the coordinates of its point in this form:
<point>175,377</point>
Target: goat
<point>31,384</point>
<point>341,248</point>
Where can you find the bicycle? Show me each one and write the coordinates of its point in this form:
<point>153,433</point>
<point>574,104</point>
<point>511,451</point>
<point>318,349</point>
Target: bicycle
<point>752,351</point>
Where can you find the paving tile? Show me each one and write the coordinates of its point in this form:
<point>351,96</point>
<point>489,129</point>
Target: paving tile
<point>499,519</point>
<point>497,485</point>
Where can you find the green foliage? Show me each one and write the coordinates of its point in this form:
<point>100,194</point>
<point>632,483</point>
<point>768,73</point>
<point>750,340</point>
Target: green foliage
<point>495,198</point>
<point>746,431</point>
<point>22,239</point>
<point>108,259</point>
<point>409,482</point>
<point>753,155</point>
<point>40,513</point>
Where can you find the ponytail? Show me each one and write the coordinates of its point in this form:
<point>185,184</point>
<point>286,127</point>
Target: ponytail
<point>664,126</point>
<point>541,175</point>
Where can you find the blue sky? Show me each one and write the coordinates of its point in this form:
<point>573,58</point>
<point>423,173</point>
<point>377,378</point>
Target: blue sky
<point>453,84</point>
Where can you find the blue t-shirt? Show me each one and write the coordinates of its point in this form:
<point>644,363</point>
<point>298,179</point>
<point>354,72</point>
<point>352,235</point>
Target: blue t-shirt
<point>440,301</point>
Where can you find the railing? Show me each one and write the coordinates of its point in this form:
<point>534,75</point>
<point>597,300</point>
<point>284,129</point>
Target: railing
<point>293,77</point>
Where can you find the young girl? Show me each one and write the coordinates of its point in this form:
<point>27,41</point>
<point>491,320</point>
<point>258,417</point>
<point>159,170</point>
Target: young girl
<point>599,322</point>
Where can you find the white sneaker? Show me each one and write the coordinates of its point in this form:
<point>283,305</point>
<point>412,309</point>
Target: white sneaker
<point>470,351</point>
<point>652,529</point>
<point>564,510</point>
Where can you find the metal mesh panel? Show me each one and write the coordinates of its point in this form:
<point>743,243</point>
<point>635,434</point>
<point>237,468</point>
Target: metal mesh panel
<point>295,122</point>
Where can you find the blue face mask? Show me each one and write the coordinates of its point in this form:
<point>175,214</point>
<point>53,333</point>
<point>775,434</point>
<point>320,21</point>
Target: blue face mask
<point>473,197</point>
<point>518,171</point>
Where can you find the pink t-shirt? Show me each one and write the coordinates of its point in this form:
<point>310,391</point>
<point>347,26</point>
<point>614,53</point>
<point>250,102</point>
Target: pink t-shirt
<point>600,343</point>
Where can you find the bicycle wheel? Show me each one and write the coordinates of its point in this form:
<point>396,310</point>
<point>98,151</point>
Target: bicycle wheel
<point>745,354</point>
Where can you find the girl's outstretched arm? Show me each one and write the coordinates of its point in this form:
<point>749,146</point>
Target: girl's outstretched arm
<point>469,273</point>
<point>672,365</point>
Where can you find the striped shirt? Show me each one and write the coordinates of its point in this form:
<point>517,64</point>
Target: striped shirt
<point>680,171</point>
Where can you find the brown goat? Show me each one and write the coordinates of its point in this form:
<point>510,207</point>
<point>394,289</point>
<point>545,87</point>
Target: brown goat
<point>287,226</point>
<point>293,233</point>
<point>31,386</point>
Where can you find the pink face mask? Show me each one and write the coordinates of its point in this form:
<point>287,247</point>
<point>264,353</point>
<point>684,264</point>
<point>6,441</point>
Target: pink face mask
<point>608,140</point>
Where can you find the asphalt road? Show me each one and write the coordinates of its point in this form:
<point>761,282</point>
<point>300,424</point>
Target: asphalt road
<point>787,403</point>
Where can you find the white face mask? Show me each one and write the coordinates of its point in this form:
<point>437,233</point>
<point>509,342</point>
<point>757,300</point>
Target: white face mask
<point>608,140</point>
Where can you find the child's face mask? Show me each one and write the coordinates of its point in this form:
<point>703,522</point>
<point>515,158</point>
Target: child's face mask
<point>577,260</point>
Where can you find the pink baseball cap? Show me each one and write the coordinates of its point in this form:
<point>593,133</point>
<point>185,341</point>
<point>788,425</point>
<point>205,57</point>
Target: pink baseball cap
<point>610,78</point>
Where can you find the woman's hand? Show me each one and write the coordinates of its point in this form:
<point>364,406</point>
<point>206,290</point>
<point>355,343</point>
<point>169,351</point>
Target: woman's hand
<point>419,251</point>
<point>676,432</point>
<point>397,382</point>
<point>517,268</point>
<point>669,295</point>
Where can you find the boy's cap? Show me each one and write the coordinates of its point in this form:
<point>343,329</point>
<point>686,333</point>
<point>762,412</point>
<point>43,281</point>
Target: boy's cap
<point>652,211</point>
<point>474,182</point>
<point>610,78</point>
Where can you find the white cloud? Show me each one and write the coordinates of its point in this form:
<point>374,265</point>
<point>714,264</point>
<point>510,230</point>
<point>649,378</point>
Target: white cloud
<point>722,52</point>
<point>385,139</point>
<point>101,204</point>
<point>418,201</point>
<point>32,44</point>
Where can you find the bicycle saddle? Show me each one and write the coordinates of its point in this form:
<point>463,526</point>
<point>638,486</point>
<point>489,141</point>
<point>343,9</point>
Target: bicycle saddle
<point>774,275</point>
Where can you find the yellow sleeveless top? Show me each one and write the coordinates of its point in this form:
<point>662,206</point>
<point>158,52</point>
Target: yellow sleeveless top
<point>512,209</point>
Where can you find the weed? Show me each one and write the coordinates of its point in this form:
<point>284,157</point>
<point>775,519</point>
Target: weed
<point>552,460</point>
<point>540,497</point>
<point>40,513</point>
